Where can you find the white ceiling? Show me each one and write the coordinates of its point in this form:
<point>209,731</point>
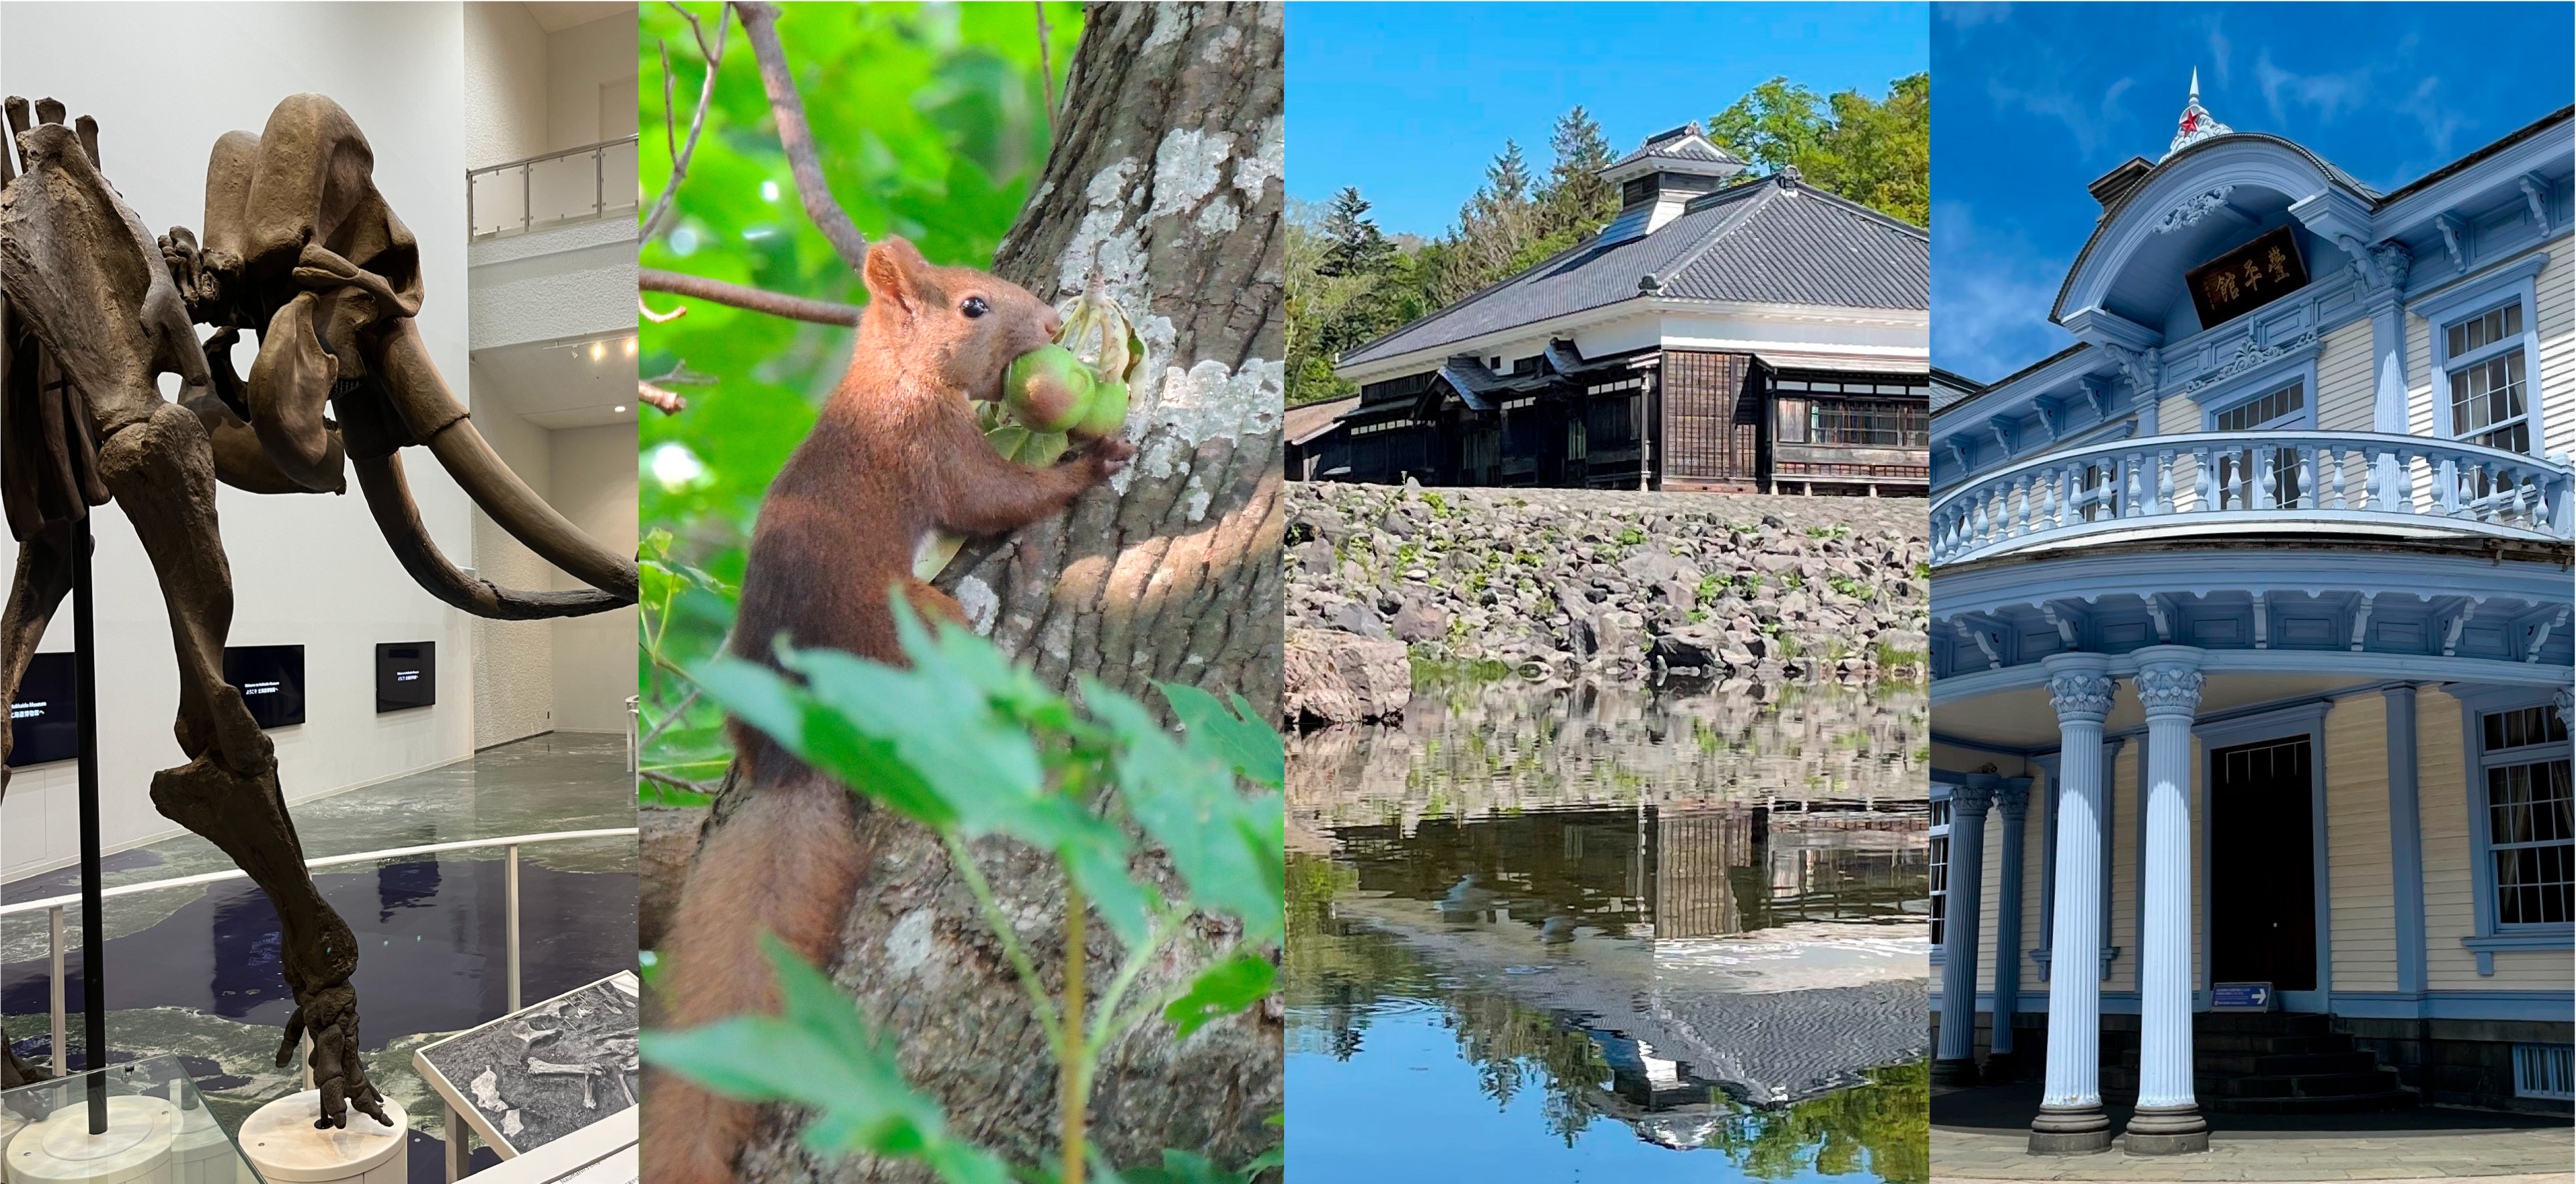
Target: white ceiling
<point>2023,719</point>
<point>555,16</point>
<point>557,384</point>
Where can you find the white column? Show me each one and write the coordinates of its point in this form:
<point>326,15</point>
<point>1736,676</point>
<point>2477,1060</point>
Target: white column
<point>2070,1112</point>
<point>2167,1120</point>
<point>1955,1061</point>
<point>2012,801</point>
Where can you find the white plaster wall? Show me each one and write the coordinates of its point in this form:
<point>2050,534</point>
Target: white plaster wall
<point>594,474</point>
<point>514,693</point>
<point>308,569</point>
<point>586,66</point>
<point>505,84</point>
<point>577,281</point>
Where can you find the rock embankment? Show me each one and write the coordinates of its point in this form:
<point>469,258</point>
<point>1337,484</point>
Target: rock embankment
<point>1557,583</point>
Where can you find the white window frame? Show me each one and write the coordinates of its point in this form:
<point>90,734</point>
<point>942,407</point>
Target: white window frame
<point>2490,935</point>
<point>1937,864</point>
<point>2515,282</point>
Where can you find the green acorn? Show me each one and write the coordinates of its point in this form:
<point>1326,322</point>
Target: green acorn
<point>1106,413</point>
<point>1047,389</point>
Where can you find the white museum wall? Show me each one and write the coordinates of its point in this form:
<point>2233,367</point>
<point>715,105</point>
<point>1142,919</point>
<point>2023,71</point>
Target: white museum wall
<point>306,569</point>
<point>590,70</point>
<point>514,660</point>
<point>594,657</point>
<point>505,84</point>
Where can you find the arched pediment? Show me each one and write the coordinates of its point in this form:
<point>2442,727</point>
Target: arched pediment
<point>2197,204</point>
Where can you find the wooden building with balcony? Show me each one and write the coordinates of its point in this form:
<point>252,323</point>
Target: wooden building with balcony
<point>1722,333</point>
<point>2251,673</point>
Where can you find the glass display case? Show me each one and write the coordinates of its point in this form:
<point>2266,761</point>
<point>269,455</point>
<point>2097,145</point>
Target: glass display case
<point>154,1129</point>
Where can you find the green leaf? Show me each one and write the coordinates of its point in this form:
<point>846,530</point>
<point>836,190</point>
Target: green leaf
<point>1222,990</point>
<point>824,738</point>
<point>821,1053</point>
<point>1249,745</point>
<point>1230,848</point>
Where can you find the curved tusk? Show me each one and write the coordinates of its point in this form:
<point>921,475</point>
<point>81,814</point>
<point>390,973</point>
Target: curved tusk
<point>420,395</point>
<point>389,499</point>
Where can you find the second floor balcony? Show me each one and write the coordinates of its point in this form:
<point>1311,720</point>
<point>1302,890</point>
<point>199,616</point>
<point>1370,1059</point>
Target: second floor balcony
<point>2358,486</point>
<point>587,184</point>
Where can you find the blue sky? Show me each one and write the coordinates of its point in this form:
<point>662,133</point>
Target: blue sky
<point>1410,101</point>
<point>2030,102</point>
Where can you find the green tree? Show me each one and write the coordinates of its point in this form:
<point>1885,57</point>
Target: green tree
<point>1354,244</point>
<point>1576,197</point>
<point>1877,152</point>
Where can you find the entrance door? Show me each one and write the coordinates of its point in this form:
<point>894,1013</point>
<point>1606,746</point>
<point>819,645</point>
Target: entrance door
<point>2262,870</point>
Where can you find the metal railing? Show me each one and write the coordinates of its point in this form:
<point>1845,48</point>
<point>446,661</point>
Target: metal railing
<point>591,183</point>
<point>2348,482</point>
<point>54,906</point>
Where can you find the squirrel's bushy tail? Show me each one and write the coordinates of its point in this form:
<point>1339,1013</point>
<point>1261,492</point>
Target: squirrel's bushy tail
<point>786,862</point>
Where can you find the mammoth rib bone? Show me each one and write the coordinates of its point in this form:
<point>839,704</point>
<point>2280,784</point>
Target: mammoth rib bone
<point>389,499</point>
<point>434,417</point>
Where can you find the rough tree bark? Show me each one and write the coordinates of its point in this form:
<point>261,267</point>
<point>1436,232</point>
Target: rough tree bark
<point>1165,177</point>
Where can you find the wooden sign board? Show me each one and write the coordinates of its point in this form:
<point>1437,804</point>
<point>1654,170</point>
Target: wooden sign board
<point>2248,277</point>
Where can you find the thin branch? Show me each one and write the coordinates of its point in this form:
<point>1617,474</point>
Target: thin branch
<point>1046,67</point>
<point>646,311</point>
<point>794,308</point>
<point>697,123</point>
<point>760,23</point>
<point>676,782</point>
<point>683,709</point>
<point>668,402</point>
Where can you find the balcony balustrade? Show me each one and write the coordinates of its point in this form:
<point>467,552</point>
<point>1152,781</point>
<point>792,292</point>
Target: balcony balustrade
<point>591,183</point>
<point>2353,484</point>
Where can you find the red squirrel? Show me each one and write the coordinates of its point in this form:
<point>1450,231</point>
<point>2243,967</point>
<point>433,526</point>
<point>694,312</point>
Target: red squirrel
<point>895,455</point>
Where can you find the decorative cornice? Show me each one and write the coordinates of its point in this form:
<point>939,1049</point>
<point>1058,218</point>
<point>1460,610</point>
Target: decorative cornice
<point>2169,689</point>
<point>2390,261</point>
<point>2249,357</point>
<point>2080,696</point>
<point>2191,210</point>
<point>2535,192</point>
<point>2139,366</point>
<point>1973,794</point>
<point>2012,796</point>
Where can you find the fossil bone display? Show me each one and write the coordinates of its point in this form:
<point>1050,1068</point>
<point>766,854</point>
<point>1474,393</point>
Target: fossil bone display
<point>300,250</point>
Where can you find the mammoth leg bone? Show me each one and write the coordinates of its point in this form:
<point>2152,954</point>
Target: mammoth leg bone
<point>44,576</point>
<point>389,498</point>
<point>162,472</point>
<point>434,417</point>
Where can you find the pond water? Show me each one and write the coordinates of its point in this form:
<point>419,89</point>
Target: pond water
<point>1553,934</point>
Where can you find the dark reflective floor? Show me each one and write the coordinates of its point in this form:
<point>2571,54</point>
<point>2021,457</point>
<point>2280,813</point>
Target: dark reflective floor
<point>195,972</point>
<point>1529,941</point>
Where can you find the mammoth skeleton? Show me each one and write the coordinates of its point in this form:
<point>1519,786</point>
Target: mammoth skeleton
<point>301,251</point>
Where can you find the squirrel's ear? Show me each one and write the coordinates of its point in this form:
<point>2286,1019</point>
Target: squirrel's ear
<point>894,271</point>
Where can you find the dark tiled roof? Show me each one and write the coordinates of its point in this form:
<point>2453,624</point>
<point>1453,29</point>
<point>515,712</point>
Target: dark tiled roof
<point>1679,144</point>
<point>1764,241</point>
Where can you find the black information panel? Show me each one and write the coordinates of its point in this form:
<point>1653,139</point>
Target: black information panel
<point>44,725</point>
<point>271,679</point>
<point>406,675</point>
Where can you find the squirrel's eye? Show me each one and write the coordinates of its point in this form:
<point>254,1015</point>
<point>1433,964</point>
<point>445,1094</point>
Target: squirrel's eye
<point>974,306</point>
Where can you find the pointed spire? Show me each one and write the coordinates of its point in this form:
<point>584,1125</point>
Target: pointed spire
<point>2197,123</point>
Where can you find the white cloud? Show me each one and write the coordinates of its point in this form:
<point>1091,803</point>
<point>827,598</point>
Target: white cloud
<point>2329,95</point>
<point>1991,291</point>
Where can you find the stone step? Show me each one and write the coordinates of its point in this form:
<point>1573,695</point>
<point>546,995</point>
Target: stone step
<point>2277,1023</point>
<point>2396,1099</point>
<point>2230,1049</point>
<point>2335,1056</point>
<point>2306,1085</point>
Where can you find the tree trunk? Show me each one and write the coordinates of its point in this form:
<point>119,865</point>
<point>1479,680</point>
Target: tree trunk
<point>1166,178</point>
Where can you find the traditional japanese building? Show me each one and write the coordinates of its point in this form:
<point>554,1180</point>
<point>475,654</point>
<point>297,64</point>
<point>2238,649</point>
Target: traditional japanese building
<point>1721,333</point>
<point>2250,659</point>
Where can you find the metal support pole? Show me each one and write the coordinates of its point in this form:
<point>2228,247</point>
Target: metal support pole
<point>93,909</point>
<point>62,1045</point>
<point>470,231</point>
<point>456,1152</point>
<point>599,182</point>
<point>513,894</point>
<point>527,196</point>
